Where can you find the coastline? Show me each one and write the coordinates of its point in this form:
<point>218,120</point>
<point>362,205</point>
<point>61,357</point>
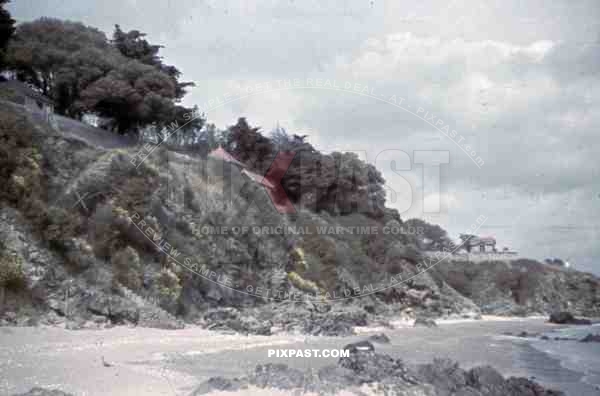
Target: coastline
<point>175,361</point>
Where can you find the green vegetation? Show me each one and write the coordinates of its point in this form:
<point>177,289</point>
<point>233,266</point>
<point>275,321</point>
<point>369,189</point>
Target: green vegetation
<point>168,287</point>
<point>11,96</point>
<point>123,80</point>
<point>12,275</point>
<point>7,29</point>
<point>303,284</point>
<point>127,268</point>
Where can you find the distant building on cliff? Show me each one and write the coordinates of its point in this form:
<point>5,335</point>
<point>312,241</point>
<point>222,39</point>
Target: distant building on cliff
<point>476,249</point>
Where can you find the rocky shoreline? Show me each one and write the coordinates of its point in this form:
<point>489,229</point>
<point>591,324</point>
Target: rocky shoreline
<point>381,374</point>
<point>366,371</point>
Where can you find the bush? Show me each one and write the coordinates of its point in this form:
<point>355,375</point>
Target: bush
<point>303,284</point>
<point>127,268</point>
<point>18,167</point>
<point>60,225</point>
<point>11,96</point>
<point>12,275</point>
<point>169,288</point>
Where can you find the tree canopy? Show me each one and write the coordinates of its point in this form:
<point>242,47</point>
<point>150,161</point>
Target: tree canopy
<point>7,29</point>
<point>433,237</point>
<point>123,80</point>
<point>338,183</point>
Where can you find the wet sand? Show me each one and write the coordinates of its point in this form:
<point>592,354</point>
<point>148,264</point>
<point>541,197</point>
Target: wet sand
<point>161,362</point>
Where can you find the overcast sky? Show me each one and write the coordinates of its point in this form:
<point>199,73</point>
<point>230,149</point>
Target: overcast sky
<point>517,80</point>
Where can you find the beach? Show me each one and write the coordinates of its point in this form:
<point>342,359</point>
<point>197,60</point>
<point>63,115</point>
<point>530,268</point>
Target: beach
<point>125,361</point>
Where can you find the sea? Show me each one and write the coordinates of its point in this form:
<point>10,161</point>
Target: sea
<point>569,365</point>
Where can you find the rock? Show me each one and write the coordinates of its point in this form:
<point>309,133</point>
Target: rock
<point>75,324</point>
<point>10,317</point>
<point>365,369</point>
<point>250,325</point>
<point>219,384</point>
<point>486,379</point>
<point>157,318</point>
<point>368,366</point>
<point>122,311</point>
<point>360,347</point>
<point>79,253</point>
<point>591,338</point>
<point>52,319</point>
<point>338,322</point>
<point>443,374</point>
<point>424,322</point>
<point>240,322</point>
<point>526,387</point>
<point>43,392</point>
<point>117,309</point>
<point>544,337</point>
<point>277,376</point>
<point>97,303</point>
<point>564,317</point>
<point>380,338</point>
<point>221,315</point>
<point>525,334</point>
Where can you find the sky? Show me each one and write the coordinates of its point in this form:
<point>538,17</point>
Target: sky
<point>517,81</point>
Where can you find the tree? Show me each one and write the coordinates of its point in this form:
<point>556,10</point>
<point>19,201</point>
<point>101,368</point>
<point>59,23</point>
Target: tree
<point>77,66</point>
<point>60,58</point>
<point>282,141</point>
<point>248,145</point>
<point>431,236</point>
<point>7,29</point>
<point>134,45</point>
<point>133,95</point>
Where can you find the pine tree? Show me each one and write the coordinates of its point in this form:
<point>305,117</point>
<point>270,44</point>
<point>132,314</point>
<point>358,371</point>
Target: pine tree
<point>7,29</point>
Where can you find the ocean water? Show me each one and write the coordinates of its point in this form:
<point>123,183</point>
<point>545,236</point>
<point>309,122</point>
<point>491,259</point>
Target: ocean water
<point>571,365</point>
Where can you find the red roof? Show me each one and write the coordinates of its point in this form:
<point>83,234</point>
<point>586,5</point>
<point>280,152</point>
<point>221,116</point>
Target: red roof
<point>258,178</point>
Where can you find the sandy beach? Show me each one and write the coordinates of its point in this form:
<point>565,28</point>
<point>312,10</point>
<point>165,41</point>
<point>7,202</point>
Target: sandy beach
<point>140,361</point>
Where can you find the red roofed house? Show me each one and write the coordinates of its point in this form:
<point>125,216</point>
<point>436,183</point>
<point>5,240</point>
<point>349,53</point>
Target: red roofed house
<point>276,192</point>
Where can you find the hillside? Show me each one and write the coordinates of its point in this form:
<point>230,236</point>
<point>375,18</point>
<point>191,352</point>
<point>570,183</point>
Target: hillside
<point>91,240</point>
<point>524,287</point>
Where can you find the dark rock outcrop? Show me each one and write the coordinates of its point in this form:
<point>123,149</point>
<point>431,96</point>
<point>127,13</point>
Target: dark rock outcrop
<point>523,287</point>
<point>338,322</point>
<point>424,322</point>
<point>234,320</point>
<point>44,392</point>
<point>525,334</point>
<point>591,338</point>
<point>564,317</point>
<point>384,375</point>
<point>379,338</point>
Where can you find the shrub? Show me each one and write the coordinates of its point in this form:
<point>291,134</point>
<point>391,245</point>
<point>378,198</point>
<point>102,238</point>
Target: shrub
<point>303,284</point>
<point>18,169</point>
<point>60,225</point>
<point>127,268</point>
<point>12,96</point>
<point>12,275</point>
<point>169,288</point>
